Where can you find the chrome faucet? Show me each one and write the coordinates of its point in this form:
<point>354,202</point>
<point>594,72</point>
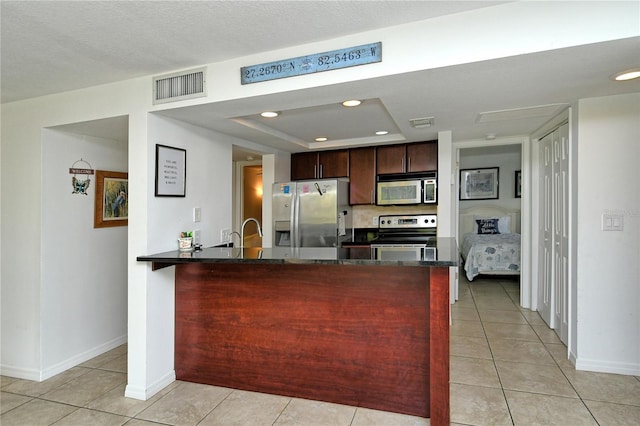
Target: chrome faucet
<point>251,219</point>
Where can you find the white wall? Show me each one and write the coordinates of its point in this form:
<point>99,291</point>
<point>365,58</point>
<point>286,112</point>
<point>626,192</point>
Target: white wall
<point>22,209</point>
<point>608,272</point>
<point>208,185</point>
<point>84,270</point>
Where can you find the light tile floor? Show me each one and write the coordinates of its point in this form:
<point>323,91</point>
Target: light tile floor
<point>507,367</point>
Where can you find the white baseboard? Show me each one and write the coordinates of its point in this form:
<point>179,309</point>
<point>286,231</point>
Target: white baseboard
<point>82,357</point>
<point>144,394</point>
<point>20,373</point>
<point>626,368</point>
<point>572,358</point>
<point>46,373</point>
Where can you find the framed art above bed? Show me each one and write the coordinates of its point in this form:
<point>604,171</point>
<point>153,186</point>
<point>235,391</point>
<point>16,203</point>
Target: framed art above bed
<point>479,184</point>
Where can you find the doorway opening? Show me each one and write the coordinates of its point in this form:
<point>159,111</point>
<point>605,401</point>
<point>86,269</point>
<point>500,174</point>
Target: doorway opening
<point>252,204</point>
<point>247,196</point>
<point>503,161</point>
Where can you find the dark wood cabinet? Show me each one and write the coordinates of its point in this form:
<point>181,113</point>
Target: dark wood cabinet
<point>333,164</point>
<point>319,165</point>
<point>422,157</point>
<point>361,165</point>
<point>304,165</point>
<point>391,159</point>
<point>362,176</point>
<point>408,158</point>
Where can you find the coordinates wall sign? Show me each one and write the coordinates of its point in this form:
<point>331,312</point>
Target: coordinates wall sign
<point>318,62</point>
<point>171,171</point>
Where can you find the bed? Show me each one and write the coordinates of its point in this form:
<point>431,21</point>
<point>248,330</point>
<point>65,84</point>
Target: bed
<point>490,241</point>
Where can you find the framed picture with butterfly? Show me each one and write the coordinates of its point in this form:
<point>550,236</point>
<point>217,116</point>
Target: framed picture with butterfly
<point>112,199</point>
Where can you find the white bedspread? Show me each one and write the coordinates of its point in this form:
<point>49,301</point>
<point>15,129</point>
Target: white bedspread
<point>491,254</point>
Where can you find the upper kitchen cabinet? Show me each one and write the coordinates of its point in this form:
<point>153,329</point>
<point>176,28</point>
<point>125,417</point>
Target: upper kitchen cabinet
<point>320,164</point>
<point>304,165</point>
<point>362,175</point>
<point>391,159</point>
<point>408,158</point>
<point>422,157</point>
<point>333,164</point>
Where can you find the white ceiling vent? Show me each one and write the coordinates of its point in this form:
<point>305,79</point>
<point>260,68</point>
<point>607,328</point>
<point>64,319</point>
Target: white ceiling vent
<point>420,123</point>
<point>179,86</point>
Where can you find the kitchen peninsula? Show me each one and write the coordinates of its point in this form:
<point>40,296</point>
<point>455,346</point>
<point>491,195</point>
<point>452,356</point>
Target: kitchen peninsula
<point>330,324</point>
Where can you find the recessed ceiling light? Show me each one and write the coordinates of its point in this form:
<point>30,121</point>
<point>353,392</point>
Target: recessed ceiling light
<point>626,75</point>
<point>321,139</point>
<point>351,103</point>
<point>269,114</point>
<point>382,132</point>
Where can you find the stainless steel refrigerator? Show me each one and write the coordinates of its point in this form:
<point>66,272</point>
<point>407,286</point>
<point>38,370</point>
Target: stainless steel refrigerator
<point>311,213</point>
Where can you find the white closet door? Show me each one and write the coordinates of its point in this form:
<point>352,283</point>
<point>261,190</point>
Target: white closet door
<point>560,231</point>
<point>545,287</point>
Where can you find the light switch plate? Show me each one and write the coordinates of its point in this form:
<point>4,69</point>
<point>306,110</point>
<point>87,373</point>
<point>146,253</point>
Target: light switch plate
<point>612,222</point>
<point>196,236</point>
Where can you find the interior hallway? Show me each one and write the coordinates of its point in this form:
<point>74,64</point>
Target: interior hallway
<point>507,368</point>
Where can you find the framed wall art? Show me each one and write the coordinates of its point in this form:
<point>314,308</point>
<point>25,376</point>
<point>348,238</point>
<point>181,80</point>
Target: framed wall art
<point>112,199</point>
<point>518,180</point>
<point>171,171</point>
<point>479,184</point>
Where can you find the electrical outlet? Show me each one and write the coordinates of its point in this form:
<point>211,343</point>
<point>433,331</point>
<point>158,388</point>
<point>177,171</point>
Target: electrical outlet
<point>374,220</point>
<point>197,214</point>
<point>196,236</point>
<point>225,235</point>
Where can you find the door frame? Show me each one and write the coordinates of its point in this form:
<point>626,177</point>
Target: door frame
<point>528,287</point>
<point>238,192</point>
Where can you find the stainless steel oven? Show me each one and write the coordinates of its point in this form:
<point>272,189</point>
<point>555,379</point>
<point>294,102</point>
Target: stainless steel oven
<point>406,237</point>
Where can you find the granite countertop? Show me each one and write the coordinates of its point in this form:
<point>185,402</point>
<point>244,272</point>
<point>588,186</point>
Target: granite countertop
<point>446,255</point>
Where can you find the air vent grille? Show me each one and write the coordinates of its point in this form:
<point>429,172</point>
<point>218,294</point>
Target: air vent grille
<point>179,86</point>
<point>420,123</point>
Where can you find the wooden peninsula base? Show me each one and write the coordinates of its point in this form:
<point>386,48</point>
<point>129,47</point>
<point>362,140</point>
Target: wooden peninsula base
<point>373,336</point>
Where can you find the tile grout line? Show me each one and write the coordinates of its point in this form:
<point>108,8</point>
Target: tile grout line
<point>493,360</point>
<point>559,368</point>
<point>283,410</point>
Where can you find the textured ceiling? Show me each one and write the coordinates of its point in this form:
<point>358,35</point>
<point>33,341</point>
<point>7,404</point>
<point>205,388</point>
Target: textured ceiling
<point>54,46</point>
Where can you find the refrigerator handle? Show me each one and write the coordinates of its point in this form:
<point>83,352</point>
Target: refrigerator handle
<point>295,231</point>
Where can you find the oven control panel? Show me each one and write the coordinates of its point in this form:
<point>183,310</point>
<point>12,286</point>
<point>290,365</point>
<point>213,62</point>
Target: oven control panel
<point>414,221</point>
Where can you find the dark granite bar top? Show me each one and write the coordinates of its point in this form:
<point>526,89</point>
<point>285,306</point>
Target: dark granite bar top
<point>446,254</point>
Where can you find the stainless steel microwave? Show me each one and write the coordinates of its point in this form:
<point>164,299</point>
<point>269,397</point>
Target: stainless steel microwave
<point>402,189</point>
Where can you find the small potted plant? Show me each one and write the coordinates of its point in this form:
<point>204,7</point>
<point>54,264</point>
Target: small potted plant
<point>185,242</point>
